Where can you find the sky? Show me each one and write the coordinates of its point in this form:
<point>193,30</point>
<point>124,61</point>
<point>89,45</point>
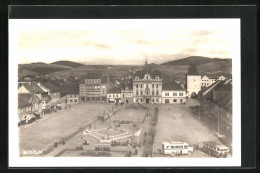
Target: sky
<point>124,41</point>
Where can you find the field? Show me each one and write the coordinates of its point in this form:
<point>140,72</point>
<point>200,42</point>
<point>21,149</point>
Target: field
<point>176,123</point>
<point>53,127</point>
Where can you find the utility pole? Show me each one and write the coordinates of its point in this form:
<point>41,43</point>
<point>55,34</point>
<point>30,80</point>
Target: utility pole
<point>218,120</point>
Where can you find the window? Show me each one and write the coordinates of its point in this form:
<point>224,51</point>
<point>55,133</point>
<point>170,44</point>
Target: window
<point>157,100</point>
<point>152,85</point>
<point>136,85</point>
<point>157,85</point>
<point>157,93</point>
<point>141,86</point>
<point>153,93</point>
<point>180,94</point>
<point>137,93</point>
<point>113,95</point>
<point>141,100</point>
<point>147,77</point>
<point>166,94</point>
<point>75,100</point>
<point>117,95</point>
<point>174,100</point>
<point>123,95</point>
<point>141,93</point>
<point>137,78</point>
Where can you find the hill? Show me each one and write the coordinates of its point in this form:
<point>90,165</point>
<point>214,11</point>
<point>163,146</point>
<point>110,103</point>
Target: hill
<point>41,69</point>
<point>68,63</point>
<point>197,60</point>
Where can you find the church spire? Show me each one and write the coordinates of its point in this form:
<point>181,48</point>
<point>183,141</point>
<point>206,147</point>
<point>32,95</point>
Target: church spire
<point>146,65</point>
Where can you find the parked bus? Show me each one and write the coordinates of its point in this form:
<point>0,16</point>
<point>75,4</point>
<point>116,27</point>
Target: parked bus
<point>176,148</point>
<point>215,149</point>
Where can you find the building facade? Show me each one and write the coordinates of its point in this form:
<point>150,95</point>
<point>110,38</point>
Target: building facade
<point>147,86</point>
<point>127,92</point>
<point>93,88</point>
<point>173,93</point>
<point>114,95</point>
<point>193,81</point>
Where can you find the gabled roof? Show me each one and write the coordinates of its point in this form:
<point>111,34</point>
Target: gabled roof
<point>171,86</point>
<point>24,99</point>
<point>51,86</point>
<point>36,88</point>
<point>193,70</point>
<point>114,90</point>
<point>226,102</point>
<point>152,73</point>
<point>69,89</point>
<point>207,93</point>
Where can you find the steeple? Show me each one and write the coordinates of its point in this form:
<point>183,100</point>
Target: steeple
<point>193,70</point>
<point>146,65</point>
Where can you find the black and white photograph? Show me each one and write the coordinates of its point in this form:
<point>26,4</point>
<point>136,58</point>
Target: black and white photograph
<point>131,89</point>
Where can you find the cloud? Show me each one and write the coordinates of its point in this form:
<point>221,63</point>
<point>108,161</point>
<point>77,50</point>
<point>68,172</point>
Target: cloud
<point>202,33</point>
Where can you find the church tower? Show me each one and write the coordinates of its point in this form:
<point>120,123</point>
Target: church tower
<point>193,81</point>
<point>146,65</point>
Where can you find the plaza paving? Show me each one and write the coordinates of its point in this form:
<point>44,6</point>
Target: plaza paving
<point>54,127</point>
<point>175,123</point>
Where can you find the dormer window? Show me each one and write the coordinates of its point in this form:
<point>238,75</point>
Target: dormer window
<point>137,78</point>
<point>157,78</point>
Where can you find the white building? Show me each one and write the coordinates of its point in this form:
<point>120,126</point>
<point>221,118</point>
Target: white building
<point>193,81</point>
<point>207,81</point>
<point>173,93</point>
<point>114,95</point>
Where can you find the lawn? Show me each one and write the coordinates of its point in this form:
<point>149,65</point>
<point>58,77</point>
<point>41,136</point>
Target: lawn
<point>53,127</point>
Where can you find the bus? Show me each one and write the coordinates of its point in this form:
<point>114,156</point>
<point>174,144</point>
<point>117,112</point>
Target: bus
<point>215,149</point>
<point>176,148</point>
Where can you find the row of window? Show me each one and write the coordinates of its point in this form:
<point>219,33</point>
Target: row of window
<point>147,93</point>
<point>142,100</point>
<point>173,94</point>
<point>147,77</point>
<point>92,81</point>
<point>141,86</point>
<point>89,87</point>
<point>75,100</point>
<point>113,95</point>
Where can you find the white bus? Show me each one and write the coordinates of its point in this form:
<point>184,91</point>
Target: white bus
<point>176,148</point>
<point>215,149</point>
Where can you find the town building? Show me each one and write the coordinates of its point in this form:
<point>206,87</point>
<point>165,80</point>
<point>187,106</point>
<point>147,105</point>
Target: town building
<point>69,93</point>
<point>206,80</point>
<point>28,106</point>
<point>127,91</point>
<point>114,95</point>
<point>216,106</point>
<point>173,93</point>
<point>193,81</point>
<point>147,86</point>
<point>93,88</point>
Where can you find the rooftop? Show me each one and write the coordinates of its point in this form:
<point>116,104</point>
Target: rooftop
<point>69,89</point>
<point>114,90</point>
<point>33,87</point>
<point>24,99</point>
<point>171,85</point>
<point>193,70</point>
<point>51,85</point>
